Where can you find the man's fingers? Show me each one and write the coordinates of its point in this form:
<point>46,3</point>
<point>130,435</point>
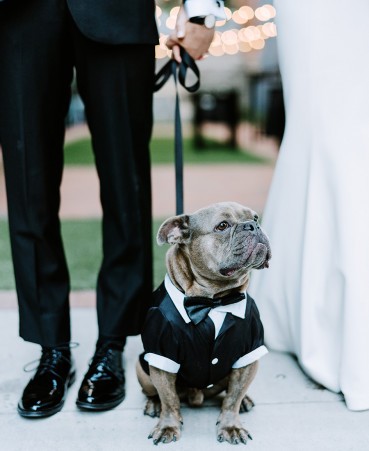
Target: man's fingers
<point>177,53</point>
<point>205,55</point>
<point>170,42</point>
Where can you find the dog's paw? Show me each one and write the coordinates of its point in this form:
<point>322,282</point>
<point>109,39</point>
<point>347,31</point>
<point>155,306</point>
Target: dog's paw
<point>246,404</point>
<point>153,407</point>
<point>230,429</point>
<point>166,433</point>
<point>233,435</point>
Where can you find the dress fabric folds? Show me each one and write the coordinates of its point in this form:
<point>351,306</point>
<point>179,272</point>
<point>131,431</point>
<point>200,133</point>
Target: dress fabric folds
<point>314,299</point>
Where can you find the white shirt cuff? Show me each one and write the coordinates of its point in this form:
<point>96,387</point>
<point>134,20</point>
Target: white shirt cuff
<point>202,8</point>
<point>251,357</point>
<point>163,363</point>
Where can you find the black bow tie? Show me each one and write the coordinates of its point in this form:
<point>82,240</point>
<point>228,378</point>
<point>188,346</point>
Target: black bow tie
<point>198,307</point>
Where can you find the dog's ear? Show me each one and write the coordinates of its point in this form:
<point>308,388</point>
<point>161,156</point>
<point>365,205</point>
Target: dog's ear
<point>175,230</point>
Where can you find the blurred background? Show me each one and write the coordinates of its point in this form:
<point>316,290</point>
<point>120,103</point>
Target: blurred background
<point>232,130</point>
<point>240,81</point>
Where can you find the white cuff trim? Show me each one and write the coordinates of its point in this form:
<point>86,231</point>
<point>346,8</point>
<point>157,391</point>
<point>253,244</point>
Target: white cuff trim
<point>202,8</point>
<point>251,357</point>
<point>163,363</point>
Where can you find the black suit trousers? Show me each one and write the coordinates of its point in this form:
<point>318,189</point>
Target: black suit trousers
<point>40,47</point>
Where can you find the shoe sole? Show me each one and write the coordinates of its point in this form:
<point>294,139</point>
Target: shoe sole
<point>47,412</point>
<point>99,407</point>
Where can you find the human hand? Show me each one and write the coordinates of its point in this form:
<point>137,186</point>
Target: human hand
<point>194,38</point>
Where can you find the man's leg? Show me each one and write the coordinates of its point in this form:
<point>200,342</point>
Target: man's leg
<point>35,76</point>
<point>116,84</point>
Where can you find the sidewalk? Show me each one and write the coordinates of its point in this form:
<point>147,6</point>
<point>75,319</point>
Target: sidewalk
<point>291,413</point>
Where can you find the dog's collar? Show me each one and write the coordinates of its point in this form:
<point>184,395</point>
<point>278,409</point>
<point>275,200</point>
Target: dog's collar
<point>177,297</point>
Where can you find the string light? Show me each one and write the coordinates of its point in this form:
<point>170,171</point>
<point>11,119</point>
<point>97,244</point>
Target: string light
<point>174,11</point>
<point>161,50</point>
<point>272,10</point>
<point>257,44</point>
<point>217,40</point>
<point>247,12</point>
<point>238,18</point>
<point>171,22</point>
<point>231,49</point>
<point>220,23</point>
<point>216,50</point>
<point>229,37</point>
<point>231,41</point>
<point>262,14</point>
<point>269,29</point>
<point>244,47</point>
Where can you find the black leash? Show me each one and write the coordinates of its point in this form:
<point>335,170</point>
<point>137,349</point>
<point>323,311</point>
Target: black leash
<point>171,68</point>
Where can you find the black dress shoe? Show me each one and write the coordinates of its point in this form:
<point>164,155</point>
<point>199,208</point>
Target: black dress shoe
<point>45,393</point>
<point>103,386</point>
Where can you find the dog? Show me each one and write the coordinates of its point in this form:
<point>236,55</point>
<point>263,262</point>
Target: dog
<point>204,333</point>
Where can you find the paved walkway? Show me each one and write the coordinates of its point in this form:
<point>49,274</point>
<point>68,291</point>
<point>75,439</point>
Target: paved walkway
<point>202,185</point>
<point>291,412</point>
<point>205,184</point>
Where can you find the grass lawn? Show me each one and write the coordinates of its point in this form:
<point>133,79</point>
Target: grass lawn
<point>162,151</point>
<point>82,240</point>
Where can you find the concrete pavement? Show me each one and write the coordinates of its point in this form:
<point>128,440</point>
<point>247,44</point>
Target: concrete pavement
<point>291,412</point>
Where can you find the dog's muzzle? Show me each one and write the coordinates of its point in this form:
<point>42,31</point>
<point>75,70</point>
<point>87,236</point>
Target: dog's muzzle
<point>249,249</point>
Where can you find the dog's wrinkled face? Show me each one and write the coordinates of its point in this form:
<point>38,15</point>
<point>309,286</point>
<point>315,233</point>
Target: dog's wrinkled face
<point>223,240</point>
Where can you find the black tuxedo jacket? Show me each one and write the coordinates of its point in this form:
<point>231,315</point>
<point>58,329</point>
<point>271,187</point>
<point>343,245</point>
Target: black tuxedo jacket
<point>108,21</point>
<point>116,21</point>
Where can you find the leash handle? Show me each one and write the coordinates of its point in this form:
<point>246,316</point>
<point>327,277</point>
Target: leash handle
<point>179,73</point>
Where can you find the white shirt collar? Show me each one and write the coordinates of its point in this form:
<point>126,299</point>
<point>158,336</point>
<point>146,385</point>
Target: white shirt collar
<point>237,309</point>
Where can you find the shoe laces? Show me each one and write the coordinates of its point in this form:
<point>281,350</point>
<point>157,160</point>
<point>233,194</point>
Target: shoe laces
<point>106,358</point>
<point>50,357</point>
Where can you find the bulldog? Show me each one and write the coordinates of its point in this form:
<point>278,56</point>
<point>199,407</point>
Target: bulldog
<point>204,335</point>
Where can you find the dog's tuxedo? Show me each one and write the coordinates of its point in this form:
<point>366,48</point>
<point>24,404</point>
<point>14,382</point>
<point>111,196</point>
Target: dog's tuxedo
<point>204,335</point>
<point>231,336</point>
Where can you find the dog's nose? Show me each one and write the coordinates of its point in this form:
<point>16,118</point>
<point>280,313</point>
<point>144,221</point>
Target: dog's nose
<point>250,226</point>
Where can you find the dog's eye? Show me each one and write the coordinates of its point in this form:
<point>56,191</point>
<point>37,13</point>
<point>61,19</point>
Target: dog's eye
<point>222,226</point>
<point>256,217</point>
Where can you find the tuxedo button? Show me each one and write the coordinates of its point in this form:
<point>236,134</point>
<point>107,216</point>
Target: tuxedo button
<point>215,361</point>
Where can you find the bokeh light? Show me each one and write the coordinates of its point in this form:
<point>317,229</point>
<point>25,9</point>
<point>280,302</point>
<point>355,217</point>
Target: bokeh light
<point>247,12</point>
<point>238,18</point>
<point>242,38</point>
<point>269,29</point>
<point>229,37</point>
<point>262,13</point>
<point>257,44</point>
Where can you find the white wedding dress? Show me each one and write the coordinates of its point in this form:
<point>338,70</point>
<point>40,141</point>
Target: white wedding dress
<point>314,299</point>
